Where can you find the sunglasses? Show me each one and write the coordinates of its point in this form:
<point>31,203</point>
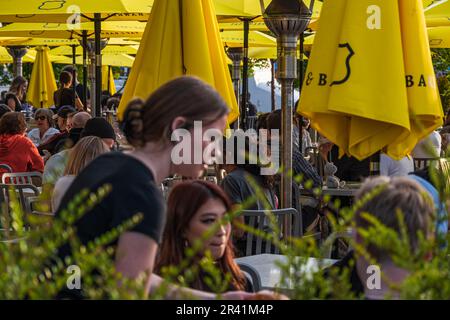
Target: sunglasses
<point>40,118</point>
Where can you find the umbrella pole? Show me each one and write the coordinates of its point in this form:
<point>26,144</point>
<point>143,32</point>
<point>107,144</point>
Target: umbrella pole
<point>272,84</point>
<point>109,79</point>
<point>300,85</point>
<point>236,54</point>
<point>85,69</point>
<point>98,65</point>
<point>245,76</point>
<point>74,62</point>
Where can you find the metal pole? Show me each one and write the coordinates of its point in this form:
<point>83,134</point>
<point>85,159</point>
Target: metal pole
<point>85,69</point>
<point>17,54</point>
<point>98,65</point>
<point>300,86</point>
<point>236,55</point>
<point>272,84</point>
<point>74,63</point>
<point>245,76</point>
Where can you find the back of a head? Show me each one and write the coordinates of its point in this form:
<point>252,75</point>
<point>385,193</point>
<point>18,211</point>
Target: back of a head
<point>86,150</point>
<point>98,127</point>
<point>65,78</point>
<point>384,197</point>
<point>80,119</point>
<point>187,97</point>
<point>13,123</point>
<point>273,120</point>
<point>70,69</point>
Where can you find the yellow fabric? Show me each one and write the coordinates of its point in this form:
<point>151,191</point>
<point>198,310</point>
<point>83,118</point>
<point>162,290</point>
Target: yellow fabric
<point>109,49</point>
<point>60,10</point>
<point>108,80</point>
<point>372,109</point>
<point>109,29</point>
<point>255,38</point>
<point>42,81</point>
<point>439,37</point>
<point>159,58</point>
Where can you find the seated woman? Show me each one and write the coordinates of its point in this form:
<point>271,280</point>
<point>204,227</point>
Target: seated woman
<point>16,150</point>
<point>86,150</point>
<point>45,129</point>
<point>193,208</point>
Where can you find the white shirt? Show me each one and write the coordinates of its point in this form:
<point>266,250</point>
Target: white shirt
<point>61,186</point>
<point>35,135</point>
<point>429,147</point>
<point>395,168</point>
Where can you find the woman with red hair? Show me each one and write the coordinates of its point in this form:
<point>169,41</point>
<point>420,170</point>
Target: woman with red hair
<point>194,207</point>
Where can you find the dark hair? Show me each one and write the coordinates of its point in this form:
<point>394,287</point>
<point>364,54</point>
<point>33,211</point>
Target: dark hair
<point>113,103</point>
<point>4,109</point>
<point>70,69</point>
<point>65,78</point>
<point>47,113</point>
<point>13,123</point>
<point>188,97</point>
<point>11,95</point>
<point>172,252</point>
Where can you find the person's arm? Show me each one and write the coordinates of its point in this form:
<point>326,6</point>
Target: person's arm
<point>36,163</point>
<point>78,104</point>
<point>136,254</point>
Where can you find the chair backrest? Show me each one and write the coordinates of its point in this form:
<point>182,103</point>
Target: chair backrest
<point>6,168</point>
<point>21,177</point>
<point>23,191</point>
<point>252,274</point>
<point>259,220</point>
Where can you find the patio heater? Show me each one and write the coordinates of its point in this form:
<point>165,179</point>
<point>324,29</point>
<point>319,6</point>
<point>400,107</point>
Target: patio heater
<point>287,19</point>
<point>17,53</point>
<point>92,74</point>
<point>236,55</point>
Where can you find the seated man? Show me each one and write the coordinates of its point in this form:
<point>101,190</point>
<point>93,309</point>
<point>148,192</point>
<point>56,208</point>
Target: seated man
<point>390,195</point>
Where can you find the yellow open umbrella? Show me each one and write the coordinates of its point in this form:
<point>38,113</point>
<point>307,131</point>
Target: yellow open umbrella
<point>180,41</point>
<point>439,37</point>
<point>110,29</point>
<point>61,11</point>
<point>255,38</point>
<point>109,49</point>
<point>370,83</point>
<point>42,81</point>
<point>437,13</point>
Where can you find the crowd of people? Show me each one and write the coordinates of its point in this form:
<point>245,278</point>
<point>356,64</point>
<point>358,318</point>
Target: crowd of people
<point>75,151</point>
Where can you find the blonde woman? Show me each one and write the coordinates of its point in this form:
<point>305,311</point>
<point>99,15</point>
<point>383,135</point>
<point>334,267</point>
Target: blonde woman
<point>86,150</point>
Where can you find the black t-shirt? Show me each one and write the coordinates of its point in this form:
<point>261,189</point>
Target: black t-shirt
<point>133,191</point>
<point>64,97</point>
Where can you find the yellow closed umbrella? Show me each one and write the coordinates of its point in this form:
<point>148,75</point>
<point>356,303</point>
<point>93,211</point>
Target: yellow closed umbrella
<point>42,81</point>
<point>108,80</point>
<point>370,83</point>
<point>180,41</point>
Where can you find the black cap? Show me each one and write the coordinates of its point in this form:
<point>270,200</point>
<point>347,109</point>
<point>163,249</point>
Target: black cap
<point>98,127</point>
<point>64,111</point>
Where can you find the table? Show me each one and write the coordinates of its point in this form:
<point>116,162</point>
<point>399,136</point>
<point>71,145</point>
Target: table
<point>339,192</point>
<point>270,273</point>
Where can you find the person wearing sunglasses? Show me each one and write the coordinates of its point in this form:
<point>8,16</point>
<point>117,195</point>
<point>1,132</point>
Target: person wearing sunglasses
<point>45,130</point>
